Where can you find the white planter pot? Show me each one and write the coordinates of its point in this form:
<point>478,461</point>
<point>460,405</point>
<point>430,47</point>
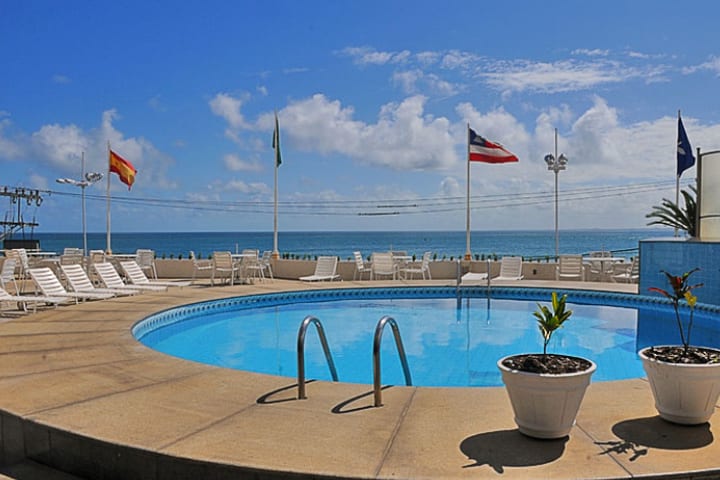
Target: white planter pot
<point>684,393</point>
<point>545,405</point>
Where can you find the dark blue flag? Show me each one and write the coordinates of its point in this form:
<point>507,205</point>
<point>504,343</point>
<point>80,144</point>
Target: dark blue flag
<point>685,158</point>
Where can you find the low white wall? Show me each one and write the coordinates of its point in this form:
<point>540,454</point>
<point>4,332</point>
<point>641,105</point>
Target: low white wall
<point>293,269</point>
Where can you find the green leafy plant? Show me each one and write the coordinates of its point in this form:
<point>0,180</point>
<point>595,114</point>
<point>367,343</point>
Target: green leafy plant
<point>550,320</point>
<point>672,215</point>
<point>681,292</point>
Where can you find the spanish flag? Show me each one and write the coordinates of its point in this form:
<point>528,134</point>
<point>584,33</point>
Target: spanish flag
<point>123,168</point>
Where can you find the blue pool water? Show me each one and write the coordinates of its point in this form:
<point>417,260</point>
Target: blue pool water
<point>448,341</point>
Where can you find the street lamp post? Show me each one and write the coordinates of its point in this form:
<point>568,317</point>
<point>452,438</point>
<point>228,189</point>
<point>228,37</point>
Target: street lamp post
<point>555,164</point>
<point>86,179</point>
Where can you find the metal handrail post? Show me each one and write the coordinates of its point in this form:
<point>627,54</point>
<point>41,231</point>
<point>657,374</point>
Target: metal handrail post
<point>377,383</point>
<point>301,353</point>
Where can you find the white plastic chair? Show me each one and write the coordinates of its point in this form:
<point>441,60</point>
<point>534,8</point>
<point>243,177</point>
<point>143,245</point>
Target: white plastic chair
<point>383,264</point>
<point>360,267</point>
<point>223,266</point>
<point>72,259</point>
<point>263,265</point>
<point>7,275</point>
<point>146,260</point>
<point>250,264</point>
<point>22,262</point>
<point>627,273</point>
<point>423,269</point>
<point>570,267</point>
<point>199,265</point>
<point>600,270</point>
<point>96,256</point>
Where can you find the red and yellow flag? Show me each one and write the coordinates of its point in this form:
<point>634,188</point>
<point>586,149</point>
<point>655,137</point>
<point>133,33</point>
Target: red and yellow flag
<point>123,168</point>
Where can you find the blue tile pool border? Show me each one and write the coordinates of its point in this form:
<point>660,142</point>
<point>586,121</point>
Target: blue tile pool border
<point>584,297</point>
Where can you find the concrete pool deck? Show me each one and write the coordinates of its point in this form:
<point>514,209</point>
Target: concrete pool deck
<point>80,395</point>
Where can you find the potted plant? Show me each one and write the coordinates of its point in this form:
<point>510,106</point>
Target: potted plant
<point>685,379</point>
<point>546,390</point>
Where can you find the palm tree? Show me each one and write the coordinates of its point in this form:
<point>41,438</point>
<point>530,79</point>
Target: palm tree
<point>671,215</point>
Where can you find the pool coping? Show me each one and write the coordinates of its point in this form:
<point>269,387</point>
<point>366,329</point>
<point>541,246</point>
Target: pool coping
<point>80,394</point>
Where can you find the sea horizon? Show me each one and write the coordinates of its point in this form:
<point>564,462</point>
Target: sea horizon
<point>311,243</point>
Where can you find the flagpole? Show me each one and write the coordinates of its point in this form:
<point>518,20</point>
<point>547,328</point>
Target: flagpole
<point>468,254</point>
<point>677,179</point>
<point>276,252</point>
<point>276,145</point>
<point>698,197</point>
<point>108,250</point>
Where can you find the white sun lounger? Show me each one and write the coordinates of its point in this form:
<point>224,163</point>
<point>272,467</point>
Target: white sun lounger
<point>23,300</point>
<point>471,277</point>
<point>110,278</point>
<point>510,269</point>
<point>81,283</point>
<point>325,268</point>
<point>137,277</point>
<point>50,286</point>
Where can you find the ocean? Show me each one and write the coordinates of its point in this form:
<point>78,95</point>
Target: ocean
<point>529,244</point>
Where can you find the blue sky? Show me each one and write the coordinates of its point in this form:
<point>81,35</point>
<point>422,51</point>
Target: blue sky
<point>373,100</point>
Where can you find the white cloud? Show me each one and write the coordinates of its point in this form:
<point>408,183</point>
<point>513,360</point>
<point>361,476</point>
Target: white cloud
<point>257,188</point>
<point>561,76</point>
<point>61,145</point>
<point>38,181</point>
<point>228,107</point>
<point>450,187</point>
<point>427,57</point>
<point>413,81</point>
<point>156,104</point>
<point>711,65</point>
<point>289,71</point>
<point>456,59</point>
<point>234,163</point>
<point>404,138</point>
<point>60,79</point>
<point>370,56</point>
<point>407,80</point>
<point>9,148</point>
<point>591,52</point>
<point>423,70</point>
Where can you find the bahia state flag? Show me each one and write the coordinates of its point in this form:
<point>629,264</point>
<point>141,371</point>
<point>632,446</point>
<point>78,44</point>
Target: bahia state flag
<point>483,150</point>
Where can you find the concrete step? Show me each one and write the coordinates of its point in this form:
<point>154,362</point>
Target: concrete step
<point>29,470</point>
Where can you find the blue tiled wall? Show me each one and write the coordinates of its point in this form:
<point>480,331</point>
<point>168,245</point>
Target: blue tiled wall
<point>677,256</point>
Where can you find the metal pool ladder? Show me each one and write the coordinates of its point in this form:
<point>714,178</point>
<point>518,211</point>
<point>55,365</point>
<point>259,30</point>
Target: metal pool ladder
<point>301,353</point>
<point>377,384</point>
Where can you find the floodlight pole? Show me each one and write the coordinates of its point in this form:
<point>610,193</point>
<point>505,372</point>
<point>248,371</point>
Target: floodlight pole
<point>86,179</point>
<point>555,164</point>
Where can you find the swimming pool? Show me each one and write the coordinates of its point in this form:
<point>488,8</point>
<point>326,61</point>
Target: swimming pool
<point>452,338</point>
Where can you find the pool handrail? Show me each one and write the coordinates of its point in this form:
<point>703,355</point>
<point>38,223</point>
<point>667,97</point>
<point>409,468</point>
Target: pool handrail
<point>301,353</point>
<point>377,383</point>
